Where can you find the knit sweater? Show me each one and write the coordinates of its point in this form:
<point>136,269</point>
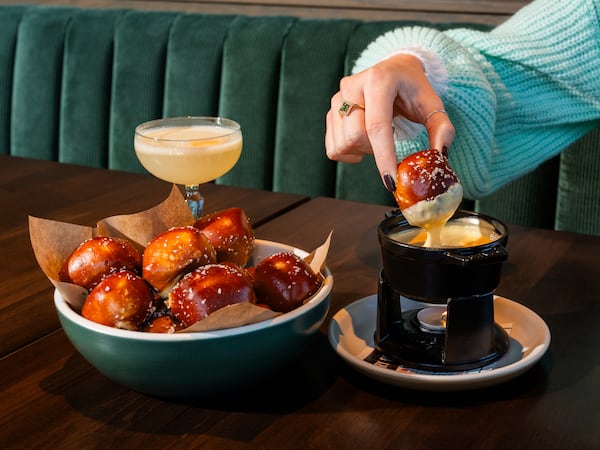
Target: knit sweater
<point>517,95</point>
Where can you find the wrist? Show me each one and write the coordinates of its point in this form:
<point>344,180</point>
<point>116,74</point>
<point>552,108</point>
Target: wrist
<point>433,67</point>
<point>422,43</point>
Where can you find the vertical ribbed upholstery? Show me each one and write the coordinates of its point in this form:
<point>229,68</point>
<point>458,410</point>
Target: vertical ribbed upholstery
<point>578,203</point>
<point>75,82</point>
<point>37,81</point>
<point>9,24</point>
<point>312,63</point>
<point>86,87</point>
<point>249,89</point>
<point>138,80</point>
<point>530,199</point>
<point>194,59</point>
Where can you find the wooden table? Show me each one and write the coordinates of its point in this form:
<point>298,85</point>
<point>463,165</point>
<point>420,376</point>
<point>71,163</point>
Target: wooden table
<point>52,398</point>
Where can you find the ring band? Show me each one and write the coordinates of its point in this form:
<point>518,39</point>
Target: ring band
<point>435,111</point>
<point>347,108</point>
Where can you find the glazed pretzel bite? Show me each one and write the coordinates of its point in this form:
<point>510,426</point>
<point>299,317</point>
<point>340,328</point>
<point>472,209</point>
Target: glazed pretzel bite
<point>283,281</point>
<point>97,257</point>
<point>428,191</point>
<point>172,254</point>
<point>230,233</point>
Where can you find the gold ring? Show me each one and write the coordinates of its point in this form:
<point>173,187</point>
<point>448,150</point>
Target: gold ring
<point>347,108</point>
<point>435,111</point>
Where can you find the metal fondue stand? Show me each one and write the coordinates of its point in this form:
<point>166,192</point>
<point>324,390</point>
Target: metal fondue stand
<point>435,308</point>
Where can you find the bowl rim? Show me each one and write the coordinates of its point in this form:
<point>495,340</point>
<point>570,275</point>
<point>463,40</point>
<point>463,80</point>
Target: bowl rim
<point>65,310</point>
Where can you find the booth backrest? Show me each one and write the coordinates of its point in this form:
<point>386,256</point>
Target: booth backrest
<point>75,82</point>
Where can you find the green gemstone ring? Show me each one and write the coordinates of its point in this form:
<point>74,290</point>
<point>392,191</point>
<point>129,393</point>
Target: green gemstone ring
<point>347,108</point>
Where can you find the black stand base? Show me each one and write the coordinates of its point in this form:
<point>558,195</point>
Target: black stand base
<point>470,340</point>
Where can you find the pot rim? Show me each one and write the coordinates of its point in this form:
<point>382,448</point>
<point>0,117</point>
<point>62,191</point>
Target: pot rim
<point>395,219</point>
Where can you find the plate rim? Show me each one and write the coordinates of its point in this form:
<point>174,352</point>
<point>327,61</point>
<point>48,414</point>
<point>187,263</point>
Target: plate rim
<point>432,381</point>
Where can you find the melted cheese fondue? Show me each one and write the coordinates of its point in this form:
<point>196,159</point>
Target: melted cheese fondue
<point>462,232</point>
<point>432,215</point>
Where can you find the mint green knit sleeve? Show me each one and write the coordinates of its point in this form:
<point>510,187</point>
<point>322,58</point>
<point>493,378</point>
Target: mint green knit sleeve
<point>517,95</point>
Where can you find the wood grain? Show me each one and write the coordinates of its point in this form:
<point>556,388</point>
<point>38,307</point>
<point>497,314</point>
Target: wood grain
<point>50,397</point>
<point>80,195</point>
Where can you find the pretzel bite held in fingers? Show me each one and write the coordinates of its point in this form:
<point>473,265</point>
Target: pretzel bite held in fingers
<point>427,189</point>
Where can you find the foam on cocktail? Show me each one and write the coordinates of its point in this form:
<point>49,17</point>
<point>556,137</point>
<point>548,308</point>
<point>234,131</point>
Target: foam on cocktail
<point>189,155</point>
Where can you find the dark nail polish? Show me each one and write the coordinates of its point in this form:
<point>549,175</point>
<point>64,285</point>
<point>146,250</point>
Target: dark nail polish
<point>390,183</point>
<point>445,150</point>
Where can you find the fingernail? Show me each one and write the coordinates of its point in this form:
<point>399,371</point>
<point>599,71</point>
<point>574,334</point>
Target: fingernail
<point>390,183</point>
<point>445,150</point>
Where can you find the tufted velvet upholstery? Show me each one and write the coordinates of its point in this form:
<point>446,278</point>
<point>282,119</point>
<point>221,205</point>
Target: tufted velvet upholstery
<point>74,83</point>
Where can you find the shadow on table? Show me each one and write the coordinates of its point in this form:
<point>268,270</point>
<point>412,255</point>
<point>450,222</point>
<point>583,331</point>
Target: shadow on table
<point>299,384</point>
<point>303,380</point>
<point>532,383</point>
<point>318,380</point>
<point>568,363</point>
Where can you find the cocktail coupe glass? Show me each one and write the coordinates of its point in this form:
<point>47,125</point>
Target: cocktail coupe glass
<point>189,151</point>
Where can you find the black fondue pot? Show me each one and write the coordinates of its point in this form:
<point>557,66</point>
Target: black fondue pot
<point>436,274</point>
<point>462,279</point>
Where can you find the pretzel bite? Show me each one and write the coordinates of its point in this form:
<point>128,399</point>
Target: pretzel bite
<point>121,300</point>
<point>207,289</point>
<point>164,323</point>
<point>97,257</point>
<point>283,281</point>
<point>427,190</point>
<point>230,233</point>
<point>172,254</point>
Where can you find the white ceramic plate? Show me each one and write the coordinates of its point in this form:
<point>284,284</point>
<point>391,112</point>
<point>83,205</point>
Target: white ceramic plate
<point>351,335</point>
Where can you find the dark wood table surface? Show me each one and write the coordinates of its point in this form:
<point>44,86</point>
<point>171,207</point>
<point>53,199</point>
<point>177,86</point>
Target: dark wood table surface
<point>50,397</point>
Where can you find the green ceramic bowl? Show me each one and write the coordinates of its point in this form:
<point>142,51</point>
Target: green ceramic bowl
<point>198,364</point>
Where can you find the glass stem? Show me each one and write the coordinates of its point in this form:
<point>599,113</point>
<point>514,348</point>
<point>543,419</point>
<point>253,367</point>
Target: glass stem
<point>194,199</point>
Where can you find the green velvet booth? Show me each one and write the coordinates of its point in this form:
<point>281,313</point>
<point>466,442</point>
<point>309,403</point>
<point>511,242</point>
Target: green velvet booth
<point>74,83</point>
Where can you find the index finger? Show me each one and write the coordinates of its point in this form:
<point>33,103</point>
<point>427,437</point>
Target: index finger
<point>380,132</point>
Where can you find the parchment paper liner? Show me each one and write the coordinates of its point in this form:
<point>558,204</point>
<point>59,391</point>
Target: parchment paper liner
<point>53,241</point>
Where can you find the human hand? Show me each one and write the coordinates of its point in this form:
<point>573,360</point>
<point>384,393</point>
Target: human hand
<point>394,87</point>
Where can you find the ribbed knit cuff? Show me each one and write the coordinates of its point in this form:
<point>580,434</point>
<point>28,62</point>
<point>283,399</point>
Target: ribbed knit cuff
<point>432,65</point>
<point>436,73</point>
<point>389,45</point>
